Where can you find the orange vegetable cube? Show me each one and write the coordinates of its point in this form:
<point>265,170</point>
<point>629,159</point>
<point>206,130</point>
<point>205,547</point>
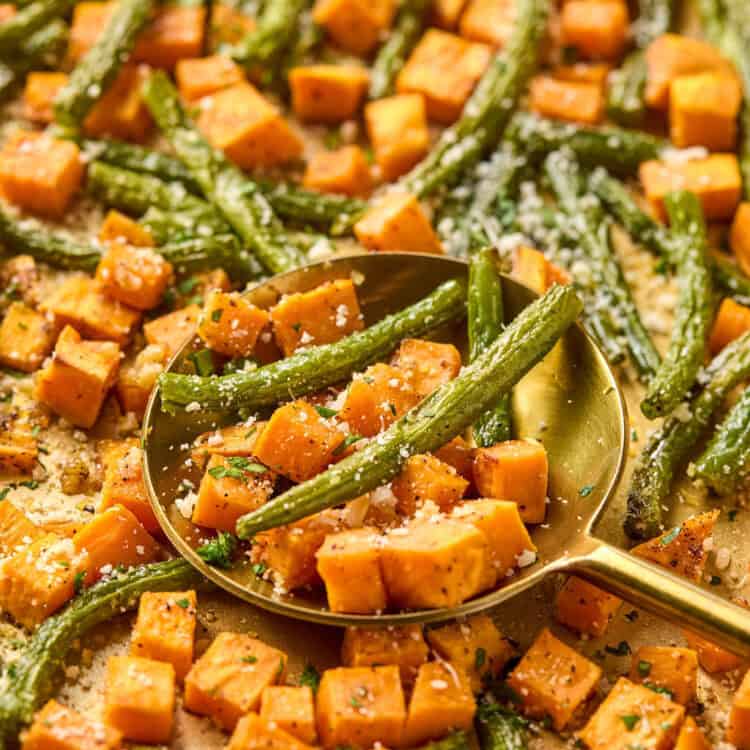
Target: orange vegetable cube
<point>16,530</point>
<point>633,715</point>
<point>474,646</point>
<point>139,698</point>
<point>230,324</point>
<point>7,11</point>
<point>738,730</point>
<point>711,657</point>
<point>228,25</point>
<point>89,19</point>
<point>567,100</point>
<point>165,629</point>
<point>673,669</point>
<point>344,171</point>
<point>403,646</point>
<point>354,25</point>
<point>377,398</point>
<point>397,223</point>
<point>598,29</point>
<point>253,732</point>
<point>176,32</point>
<point>40,173</point>
<point>515,470</point>
<point>123,481</point>
<point>445,13</point>
<point>361,706</point>
<point>119,229</point>
<point>435,563</point>
<point>584,607</point>
<point>18,448</point>
<point>172,330</point>
<point>397,129</point>
<point>426,478</point>
<point>291,709</point>
<point>136,276</point>
<point>681,549</point>
<point>739,236</point>
<point>235,440</point>
<point>201,76</point>
<point>703,111</point>
<point>553,680</point>
<point>444,68</point>
<point>530,267</point>
<point>230,488</point>
<point>327,93</point>
<point>691,737</point>
<point>77,379</point>
<point>26,337</point>
<point>427,364</point>
<point>489,21</point>
<point>325,314</point>
<point>248,128</point>
<point>112,538</point>
<point>229,679</point>
<point>458,454</point>
<point>442,702</point>
<point>39,95</point>
<point>584,73</point>
<point>57,727</point>
<point>138,377</point>
<point>347,556</point>
<point>732,320</point>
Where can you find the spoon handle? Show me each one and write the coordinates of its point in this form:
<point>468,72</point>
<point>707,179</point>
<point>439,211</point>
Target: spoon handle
<point>667,595</point>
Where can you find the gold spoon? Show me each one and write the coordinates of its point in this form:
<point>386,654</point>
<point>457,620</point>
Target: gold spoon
<point>570,401</point>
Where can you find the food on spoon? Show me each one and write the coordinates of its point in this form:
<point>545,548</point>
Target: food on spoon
<point>584,607</point>
<point>291,709</point>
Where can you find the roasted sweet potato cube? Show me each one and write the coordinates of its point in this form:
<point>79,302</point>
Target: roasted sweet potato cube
<point>354,25</point>
<point>26,337</point>
<point>500,521</point>
<point>77,379</point>
<point>428,364</point>
<point>441,702</point>
<point>248,128</point>
<point>584,607</point>
<point>582,72</point>
<point>113,538</point>
<point>323,315</point>
<point>176,32</point>
<point>553,680</point>
<point>139,698</point>
<point>514,470</point>
<point>165,629</point>
<point>445,13</point>
<point>343,171</point>
<point>80,303</point>
<point>347,556</point>
<point>397,223</point>
<point>458,454</point>
<point>360,706</point>
<point>57,727</point>
<point>229,679</point>
<point>738,730</point>
<point>16,530</point>
<point>228,25</point>
<point>377,398</point>
<point>291,709</point>
<point>739,236</point>
<point>426,478</point>
<point>256,733</point>
<point>474,646</point>
<point>119,229</point>
<point>201,76</point>
<point>488,21</point>
<point>230,324</point>
<point>435,563</point>
<point>713,658</point>
<point>403,646</point>
<point>39,95</point>
<point>327,93</point>
<point>38,579</point>
<point>444,68</point>
<point>289,551</point>
<point>40,173</point>
<point>672,55</point>
<point>230,488</point>
<point>173,329</point>
<point>137,378</point>
<point>567,100</point>
<point>632,715</point>
<point>732,320</point>
<point>682,548</point>
<point>397,128</point>
<point>530,267</point>
<point>597,29</point>
<point>89,19</point>
<point>19,451</point>
<point>123,481</point>
<point>235,440</point>
<point>672,669</point>
<point>691,737</point>
<point>703,111</point>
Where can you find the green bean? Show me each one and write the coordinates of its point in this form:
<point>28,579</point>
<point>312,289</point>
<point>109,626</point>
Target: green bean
<point>20,27</point>
<point>226,187</point>
<point>194,254</point>
<point>485,316</point>
<point>455,741</point>
<point>436,420</point>
<point>670,445</point>
<point>101,64</point>
<point>730,278</point>
<point>500,729</point>
<point>317,367</point>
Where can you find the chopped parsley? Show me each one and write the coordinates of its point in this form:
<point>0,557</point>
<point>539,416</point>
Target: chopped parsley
<point>670,536</point>
<point>644,668</point>
<point>480,657</point>
<point>630,720</point>
<point>250,659</point>
<point>621,649</point>
<point>218,552</point>
<point>715,581</point>
<point>237,467</point>
<point>216,315</point>
<point>184,603</point>
<point>78,582</point>
<point>259,569</point>
<point>733,514</point>
<point>310,677</point>
<point>4,493</point>
<point>586,490</point>
<point>32,484</point>
<point>634,435</point>
<point>203,362</point>
<point>659,689</point>
<point>346,442</point>
<point>325,412</point>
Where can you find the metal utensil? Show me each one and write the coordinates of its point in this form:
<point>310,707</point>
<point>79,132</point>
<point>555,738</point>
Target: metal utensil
<point>570,401</point>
